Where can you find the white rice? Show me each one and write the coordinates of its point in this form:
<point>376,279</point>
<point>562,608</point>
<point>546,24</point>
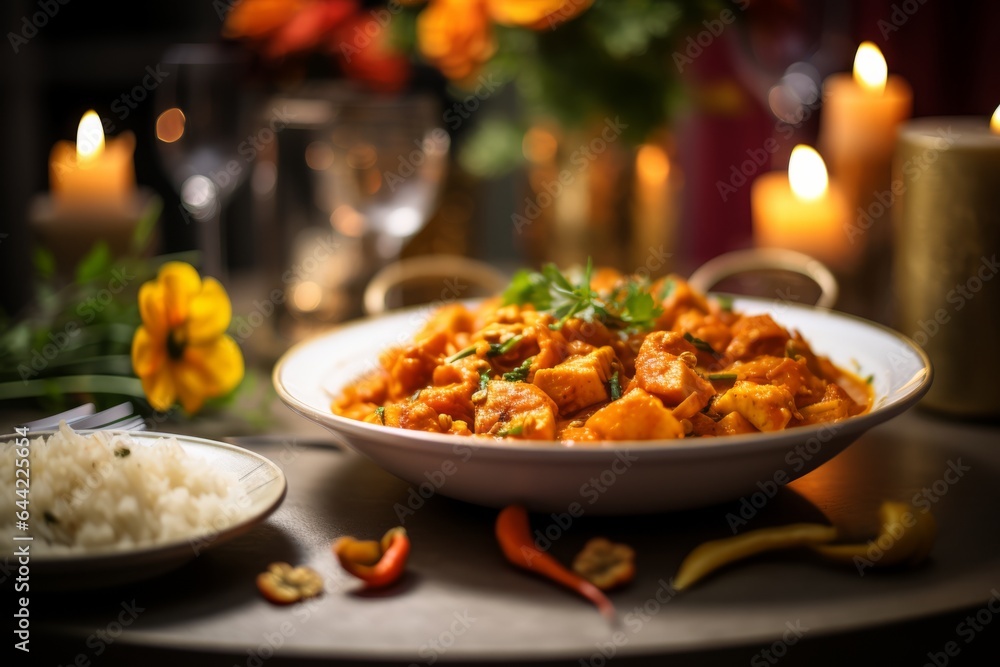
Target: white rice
<point>104,492</point>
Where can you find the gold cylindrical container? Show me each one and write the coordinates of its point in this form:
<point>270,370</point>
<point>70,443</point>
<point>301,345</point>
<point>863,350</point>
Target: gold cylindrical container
<point>946,178</point>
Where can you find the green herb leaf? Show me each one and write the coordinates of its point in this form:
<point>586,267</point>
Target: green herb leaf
<point>615,386</point>
<point>722,376</point>
<point>666,289</point>
<point>500,349</point>
<point>519,374</point>
<point>725,302</point>
<point>380,411</point>
<point>485,376</point>
<point>869,379</point>
<point>516,429</point>
<point>461,354</point>
<point>528,287</point>
<point>700,344</point>
<point>639,309</point>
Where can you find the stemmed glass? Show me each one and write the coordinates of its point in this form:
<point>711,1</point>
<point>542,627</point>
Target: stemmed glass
<point>386,160</point>
<point>205,113</point>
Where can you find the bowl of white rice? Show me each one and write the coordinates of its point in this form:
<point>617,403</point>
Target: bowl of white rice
<point>107,507</point>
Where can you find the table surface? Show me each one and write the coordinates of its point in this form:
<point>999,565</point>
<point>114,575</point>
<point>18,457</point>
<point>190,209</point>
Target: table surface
<point>460,601</point>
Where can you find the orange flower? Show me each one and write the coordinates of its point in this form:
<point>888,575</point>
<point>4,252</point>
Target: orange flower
<point>455,36</point>
<point>368,55</point>
<point>536,14</point>
<point>181,349</point>
<point>287,26</point>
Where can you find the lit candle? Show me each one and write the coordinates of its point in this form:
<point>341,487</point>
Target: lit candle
<point>861,113</point>
<point>654,204</point>
<point>946,282</point>
<point>801,210</point>
<point>93,175</point>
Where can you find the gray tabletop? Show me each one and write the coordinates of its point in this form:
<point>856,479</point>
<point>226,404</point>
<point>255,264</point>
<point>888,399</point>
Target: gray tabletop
<point>461,602</point>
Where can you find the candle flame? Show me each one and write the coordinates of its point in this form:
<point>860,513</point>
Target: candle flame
<point>807,173</point>
<point>995,121</point>
<point>870,70</point>
<point>89,138</point>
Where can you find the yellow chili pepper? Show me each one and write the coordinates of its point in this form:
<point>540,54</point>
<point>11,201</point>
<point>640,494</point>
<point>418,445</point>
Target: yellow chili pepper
<point>906,536</point>
<point>710,556</point>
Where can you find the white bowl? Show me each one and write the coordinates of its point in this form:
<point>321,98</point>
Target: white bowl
<point>620,477</point>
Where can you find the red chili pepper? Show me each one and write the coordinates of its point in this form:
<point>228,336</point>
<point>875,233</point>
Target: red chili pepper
<point>513,531</point>
<point>376,563</point>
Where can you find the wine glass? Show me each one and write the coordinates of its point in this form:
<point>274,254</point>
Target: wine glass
<point>380,166</point>
<point>205,117</point>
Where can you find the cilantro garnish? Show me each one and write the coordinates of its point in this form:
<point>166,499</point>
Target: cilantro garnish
<point>519,374</point>
<point>632,308</point>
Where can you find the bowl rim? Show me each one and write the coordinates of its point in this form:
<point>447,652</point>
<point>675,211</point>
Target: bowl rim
<point>749,443</point>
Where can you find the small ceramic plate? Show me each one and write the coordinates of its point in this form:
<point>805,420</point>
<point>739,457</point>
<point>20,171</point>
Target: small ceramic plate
<point>619,477</point>
<point>262,480</point>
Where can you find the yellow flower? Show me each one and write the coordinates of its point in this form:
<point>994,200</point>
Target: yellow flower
<point>181,349</point>
<point>536,14</point>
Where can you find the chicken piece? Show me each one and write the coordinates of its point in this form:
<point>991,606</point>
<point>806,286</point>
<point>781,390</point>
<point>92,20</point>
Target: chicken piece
<point>660,371</point>
<point>579,381</point>
<point>448,320</point>
<point>413,367</point>
<point>638,415</point>
<point>681,298</point>
<point>732,424</point>
<point>453,387</point>
<point>768,407</point>
<point>709,328</point>
<point>517,410</point>
<point>756,335</point>
<point>360,398</point>
<point>412,415</point>
<point>792,374</point>
<point>834,406</point>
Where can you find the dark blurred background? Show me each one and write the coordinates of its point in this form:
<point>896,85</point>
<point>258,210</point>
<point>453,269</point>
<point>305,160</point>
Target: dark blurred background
<point>89,52</point>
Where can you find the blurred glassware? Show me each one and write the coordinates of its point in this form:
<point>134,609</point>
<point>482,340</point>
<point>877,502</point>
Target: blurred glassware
<point>205,122</point>
<point>372,168</point>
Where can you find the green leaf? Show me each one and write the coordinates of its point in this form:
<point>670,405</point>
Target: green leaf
<point>666,289</point>
<point>147,223</point>
<point>461,354</point>
<point>95,263</point>
<point>528,287</point>
<point>516,429</point>
<point>722,376</point>
<point>500,349</point>
<point>380,411</point>
<point>485,376</point>
<point>725,302</point>
<point>700,344</point>
<point>519,374</point>
<point>615,386</point>
<point>45,263</point>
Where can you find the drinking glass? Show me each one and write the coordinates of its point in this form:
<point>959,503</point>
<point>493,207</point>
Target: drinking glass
<point>205,113</point>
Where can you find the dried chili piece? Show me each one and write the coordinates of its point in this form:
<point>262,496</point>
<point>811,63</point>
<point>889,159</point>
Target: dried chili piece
<point>377,563</point>
<point>605,564</point>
